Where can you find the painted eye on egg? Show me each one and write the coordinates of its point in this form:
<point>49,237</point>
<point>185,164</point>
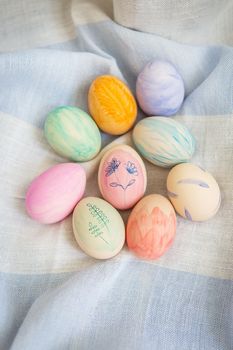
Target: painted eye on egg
<point>112,167</point>
<point>131,168</point>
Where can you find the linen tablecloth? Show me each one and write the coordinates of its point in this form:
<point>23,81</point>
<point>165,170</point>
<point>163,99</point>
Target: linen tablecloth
<point>53,296</point>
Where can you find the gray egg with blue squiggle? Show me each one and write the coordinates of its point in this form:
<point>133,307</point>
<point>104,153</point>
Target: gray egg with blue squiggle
<point>163,141</point>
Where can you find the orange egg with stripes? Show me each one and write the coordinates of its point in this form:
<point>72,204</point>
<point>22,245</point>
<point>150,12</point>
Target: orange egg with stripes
<point>112,105</point>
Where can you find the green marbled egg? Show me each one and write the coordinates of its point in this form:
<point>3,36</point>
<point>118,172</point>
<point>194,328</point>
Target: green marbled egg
<point>72,133</point>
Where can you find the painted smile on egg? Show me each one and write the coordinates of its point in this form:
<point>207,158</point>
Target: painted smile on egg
<point>112,169</point>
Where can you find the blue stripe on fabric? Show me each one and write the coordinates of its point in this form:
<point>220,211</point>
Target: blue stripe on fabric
<point>17,294</point>
<point>126,305</point>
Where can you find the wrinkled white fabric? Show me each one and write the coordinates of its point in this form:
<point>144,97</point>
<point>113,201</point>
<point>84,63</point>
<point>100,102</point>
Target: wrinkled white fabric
<point>53,296</point>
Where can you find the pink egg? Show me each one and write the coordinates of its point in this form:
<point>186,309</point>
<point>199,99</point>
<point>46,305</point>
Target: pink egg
<point>53,195</point>
<point>151,227</point>
<point>122,177</point>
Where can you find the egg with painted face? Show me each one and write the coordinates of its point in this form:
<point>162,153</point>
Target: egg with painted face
<point>72,133</point>
<point>160,88</point>
<point>163,141</point>
<point>151,227</point>
<point>98,228</point>
<point>122,177</point>
<point>53,194</point>
<point>193,192</point>
<point>112,105</point>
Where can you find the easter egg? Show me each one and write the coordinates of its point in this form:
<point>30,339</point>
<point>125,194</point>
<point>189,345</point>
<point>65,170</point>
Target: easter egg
<point>112,105</point>
<point>72,133</point>
<point>122,177</point>
<point>53,195</point>
<point>193,192</point>
<point>163,141</point>
<point>151,227</point>
<point>98,228</point>
<point>159,88</point>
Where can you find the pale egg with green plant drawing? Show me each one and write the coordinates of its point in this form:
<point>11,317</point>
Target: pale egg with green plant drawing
<point>122,177</point>
<point>98,228</point>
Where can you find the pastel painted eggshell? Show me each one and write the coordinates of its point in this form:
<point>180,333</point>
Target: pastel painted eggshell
<point>98,228</point>
<point>160,88</point>
<point>163,141</point>
<point>193,192</point>
<point>112,105</point>
<point>72,133</point>
<point>53,195</point>
<point>122,177</point>
<point>151,227</point>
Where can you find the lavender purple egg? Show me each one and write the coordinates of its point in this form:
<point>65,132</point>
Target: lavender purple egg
<point>160,89</point>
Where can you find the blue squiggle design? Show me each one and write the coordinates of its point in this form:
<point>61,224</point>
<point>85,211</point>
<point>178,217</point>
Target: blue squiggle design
<point>188,215</point>
<point>201,168</point>
<point>193,182</point>
<point>172,194</point>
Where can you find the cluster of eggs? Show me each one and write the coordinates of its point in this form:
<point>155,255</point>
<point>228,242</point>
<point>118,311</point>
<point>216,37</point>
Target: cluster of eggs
<point>72,133</point>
